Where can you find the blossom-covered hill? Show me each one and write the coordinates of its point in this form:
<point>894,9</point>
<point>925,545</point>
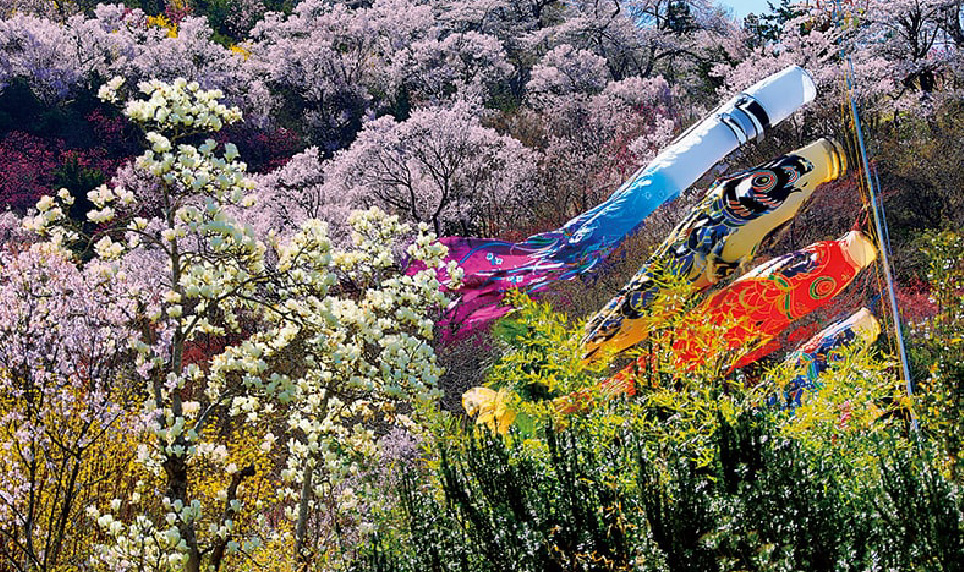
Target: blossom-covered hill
<point>212,357</point>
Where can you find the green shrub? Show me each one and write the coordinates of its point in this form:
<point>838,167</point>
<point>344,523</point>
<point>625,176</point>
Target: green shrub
<point>765,502</point>
<point>695,472</point>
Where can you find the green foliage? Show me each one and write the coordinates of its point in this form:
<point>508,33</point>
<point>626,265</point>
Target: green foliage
<point>79,180</point>
<point>543,350</point>
<point>921,189</point>
<point>541,360</point>
<point>22,110</point>
<point>516,505</point>
<point>768,27</point>
<point>588,500</point>
<point>679,18</point>
<point>694,472</point>
<point>937,351</point>
<point>218,13</point>
<point>150,7</point>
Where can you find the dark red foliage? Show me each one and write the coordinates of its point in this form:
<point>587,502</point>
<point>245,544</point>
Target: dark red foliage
<point>914,302</point>
<point>175,13</point>
<point>33,164</point>
<point>263,150</point>
<point>113,133</point>
<point>27,168</point>
<point>201,351</point>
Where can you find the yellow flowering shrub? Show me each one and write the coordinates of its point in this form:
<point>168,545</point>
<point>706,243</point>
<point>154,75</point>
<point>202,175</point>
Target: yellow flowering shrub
<point>60,460</point>
<point>161,21</point>
<point>241,51</point>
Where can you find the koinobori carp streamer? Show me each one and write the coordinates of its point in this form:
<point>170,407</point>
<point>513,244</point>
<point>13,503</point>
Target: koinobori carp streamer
<point>719,234</point>
<point>491,267</point>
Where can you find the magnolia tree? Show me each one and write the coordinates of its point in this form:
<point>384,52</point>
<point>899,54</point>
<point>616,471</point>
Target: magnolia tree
<point>441,167</point>
<point>370,355</point>
<point>333,336</point>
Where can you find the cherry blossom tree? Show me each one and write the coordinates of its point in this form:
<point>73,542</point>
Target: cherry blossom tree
<point>639,38</point>
<point>595,142</point>
<point>326,58</point>
<point>63,385</point>
<point>43,52</point>
<point>57,10</point>
<point>60,58</point>
<point>900,51</point>
<point>297,192</point>
<point>566,70</point>
<point>643,37</point>
<point>906,41</point>
<point>808,40</point>
<point>441,166</point>
<point>465,65</point>
<point>512,22</point>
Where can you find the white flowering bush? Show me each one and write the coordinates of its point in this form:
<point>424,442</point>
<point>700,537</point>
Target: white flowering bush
<point>320,342</point>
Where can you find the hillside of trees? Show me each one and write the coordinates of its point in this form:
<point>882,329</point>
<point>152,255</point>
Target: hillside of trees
<point>215,353</point>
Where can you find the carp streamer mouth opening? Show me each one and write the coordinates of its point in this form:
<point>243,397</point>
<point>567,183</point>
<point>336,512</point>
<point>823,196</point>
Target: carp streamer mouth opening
<point>858,248</point>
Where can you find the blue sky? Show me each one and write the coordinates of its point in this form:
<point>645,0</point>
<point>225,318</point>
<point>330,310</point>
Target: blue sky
<point>743,7</point>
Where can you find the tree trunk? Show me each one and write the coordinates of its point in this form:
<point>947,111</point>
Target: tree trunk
<point>176,470</point>
<point>217,555</point>
<point>302,525</point>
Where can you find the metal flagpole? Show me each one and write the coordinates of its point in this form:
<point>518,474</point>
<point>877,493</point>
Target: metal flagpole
<point>877,209</point>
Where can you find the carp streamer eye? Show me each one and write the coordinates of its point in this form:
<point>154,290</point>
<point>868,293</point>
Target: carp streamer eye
<point>764,180</point>
<point>792,174</point>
